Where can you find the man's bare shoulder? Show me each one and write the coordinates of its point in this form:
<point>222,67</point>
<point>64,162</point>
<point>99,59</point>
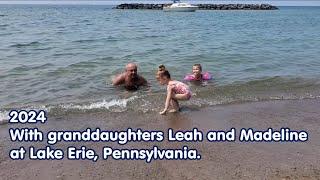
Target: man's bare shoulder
<point>119,79</point>
<point>142,80</point>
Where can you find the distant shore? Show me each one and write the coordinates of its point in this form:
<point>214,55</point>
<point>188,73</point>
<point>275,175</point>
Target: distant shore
<point>201,6</point>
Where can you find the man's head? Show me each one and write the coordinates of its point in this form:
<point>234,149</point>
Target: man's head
<point>131,70</point>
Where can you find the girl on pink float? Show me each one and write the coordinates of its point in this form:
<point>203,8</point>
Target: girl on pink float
<point>176,90</point>
<point>197,74</point>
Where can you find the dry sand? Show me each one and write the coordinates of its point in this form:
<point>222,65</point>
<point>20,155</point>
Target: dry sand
<point>220,160</point>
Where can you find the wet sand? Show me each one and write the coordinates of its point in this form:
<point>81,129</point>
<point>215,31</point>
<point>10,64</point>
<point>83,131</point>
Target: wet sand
<point>220,160</point>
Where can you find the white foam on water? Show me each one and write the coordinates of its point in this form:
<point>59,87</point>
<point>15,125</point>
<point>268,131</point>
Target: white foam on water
<point>4,117</point>
<point>209,102</point>
<point>121,103</point>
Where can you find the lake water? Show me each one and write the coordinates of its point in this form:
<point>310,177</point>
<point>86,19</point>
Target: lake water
<point>62,58</point>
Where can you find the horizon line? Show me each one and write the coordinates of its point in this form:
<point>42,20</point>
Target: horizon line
<point>114,2</point>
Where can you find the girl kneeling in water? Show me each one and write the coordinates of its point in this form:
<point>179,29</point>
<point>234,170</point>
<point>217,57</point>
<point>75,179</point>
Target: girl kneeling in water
<point>176,90</point>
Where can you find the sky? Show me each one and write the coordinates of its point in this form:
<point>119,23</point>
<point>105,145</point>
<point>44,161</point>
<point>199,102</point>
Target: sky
<point>113,2</point>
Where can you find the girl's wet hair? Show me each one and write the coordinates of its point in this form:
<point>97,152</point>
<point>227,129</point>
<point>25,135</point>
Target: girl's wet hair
<point>199,66</point>
<point>161,67</point>
<point>165,73</point>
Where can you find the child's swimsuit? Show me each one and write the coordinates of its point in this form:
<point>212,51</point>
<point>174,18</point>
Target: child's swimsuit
<point>181,88</point>
<point>205,76</point>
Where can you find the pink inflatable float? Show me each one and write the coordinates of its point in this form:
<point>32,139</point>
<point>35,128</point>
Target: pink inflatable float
<point>205,76</point>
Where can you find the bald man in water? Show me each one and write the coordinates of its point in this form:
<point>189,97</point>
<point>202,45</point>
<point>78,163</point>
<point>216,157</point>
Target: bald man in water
<point>130,78</point>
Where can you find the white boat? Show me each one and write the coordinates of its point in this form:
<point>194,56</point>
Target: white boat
<point>178,6</point>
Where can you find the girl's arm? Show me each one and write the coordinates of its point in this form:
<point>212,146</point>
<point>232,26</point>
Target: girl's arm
<point>169,94</point>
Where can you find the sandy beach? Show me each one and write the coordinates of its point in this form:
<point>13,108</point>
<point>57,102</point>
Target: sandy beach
<point>220,160</point>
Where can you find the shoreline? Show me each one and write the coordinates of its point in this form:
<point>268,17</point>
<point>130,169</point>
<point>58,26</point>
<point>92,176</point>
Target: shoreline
<point>226,160</point>
<point>98,107</point>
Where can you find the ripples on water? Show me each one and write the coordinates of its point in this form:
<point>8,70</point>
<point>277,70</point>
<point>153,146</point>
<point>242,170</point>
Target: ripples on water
<point>65,56</point>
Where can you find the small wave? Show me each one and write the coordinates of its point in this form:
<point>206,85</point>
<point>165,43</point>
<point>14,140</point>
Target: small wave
<point>3,117</point>
<point>83,21</point>
<point>85,64</point>
<point>115,105</point>
<point>84,41</point>
<point>29,68</point>
<point>198,56</point>
<point>64,54</point>
<point>112,39</point>
<point>109,58</point>
<point>155,50</point>
<point>43,49</point>
<point>155,36</point>
<point>109,38</point>
<point>6,34</point>
<point>143,54</point>
<point>21,45</point>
